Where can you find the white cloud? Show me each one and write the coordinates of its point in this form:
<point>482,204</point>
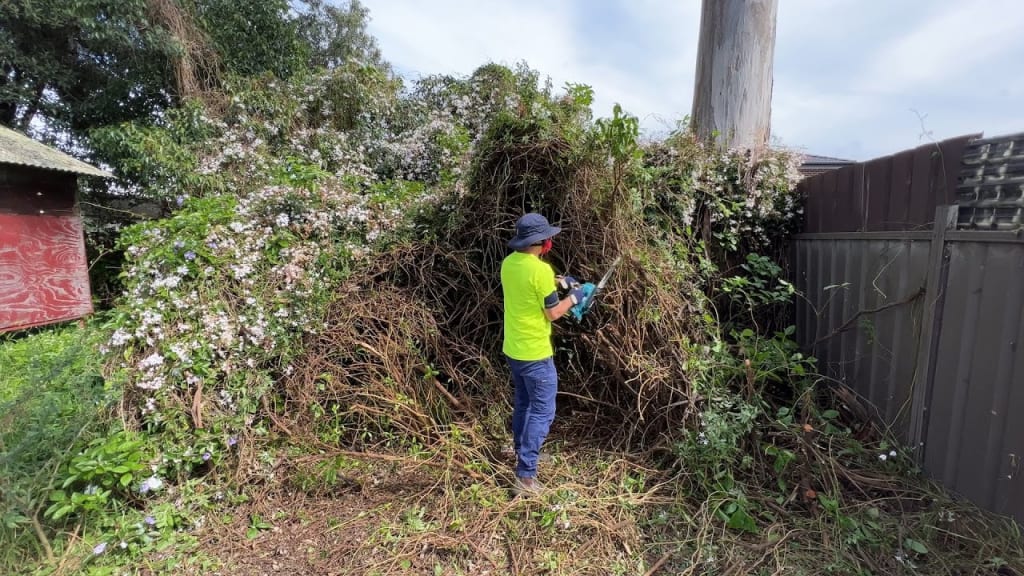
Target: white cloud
<point>449,36</point>
<point>801,114</point>
<point>850,74</point>
<point>945,46</point>
<point>847,72</point>
<point>668,32</point>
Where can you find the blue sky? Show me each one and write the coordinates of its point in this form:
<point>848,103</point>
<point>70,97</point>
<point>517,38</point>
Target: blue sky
<point>849,74</point>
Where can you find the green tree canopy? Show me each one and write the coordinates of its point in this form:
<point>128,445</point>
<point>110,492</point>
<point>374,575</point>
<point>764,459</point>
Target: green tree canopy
<point>76,65</point>
<point>253,38</point>
<point>82,63</point>
<point>336,34</point>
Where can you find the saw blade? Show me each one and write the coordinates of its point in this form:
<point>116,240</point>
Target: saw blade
<point>604,279</point>
<point>601,284</point>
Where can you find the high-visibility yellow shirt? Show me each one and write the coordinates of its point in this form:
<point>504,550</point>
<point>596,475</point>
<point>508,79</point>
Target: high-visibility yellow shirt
<point>528,287</point>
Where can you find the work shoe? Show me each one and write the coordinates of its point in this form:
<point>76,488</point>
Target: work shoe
<point>528,486</point>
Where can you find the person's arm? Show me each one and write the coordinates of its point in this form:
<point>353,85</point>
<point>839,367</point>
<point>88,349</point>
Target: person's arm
<point>553,307</point>
<point>560,308</point>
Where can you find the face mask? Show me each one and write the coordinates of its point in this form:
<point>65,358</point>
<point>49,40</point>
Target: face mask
<point>545,247</point>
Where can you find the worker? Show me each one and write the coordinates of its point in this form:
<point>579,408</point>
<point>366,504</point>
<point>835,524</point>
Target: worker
<point>530,291</point>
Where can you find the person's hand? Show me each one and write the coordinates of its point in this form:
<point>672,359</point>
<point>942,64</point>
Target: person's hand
<point>576,294</point>
<point>566,282</point>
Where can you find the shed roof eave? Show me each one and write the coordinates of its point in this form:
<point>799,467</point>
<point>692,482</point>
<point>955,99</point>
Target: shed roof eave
<point>18,149</point>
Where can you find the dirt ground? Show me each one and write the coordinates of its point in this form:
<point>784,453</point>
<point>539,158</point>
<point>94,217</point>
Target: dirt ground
<point>350,531</point>
<point>390,517</point>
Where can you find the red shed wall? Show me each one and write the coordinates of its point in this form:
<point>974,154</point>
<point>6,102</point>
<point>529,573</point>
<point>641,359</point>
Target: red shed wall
<point>44,276</point>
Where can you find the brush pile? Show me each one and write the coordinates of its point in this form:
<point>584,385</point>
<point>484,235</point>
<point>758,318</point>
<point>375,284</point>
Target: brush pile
<point>427,316</point>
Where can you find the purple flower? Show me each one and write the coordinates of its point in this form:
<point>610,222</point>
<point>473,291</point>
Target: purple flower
<point>212,245</point>
<point>100,548</point>
<point>178,244</point>
<point>206,456</point>
<point>190,255</point>
<point>150,521</point>
<point>232,441</point>
<point>180,200</point>
<point>151,484</point>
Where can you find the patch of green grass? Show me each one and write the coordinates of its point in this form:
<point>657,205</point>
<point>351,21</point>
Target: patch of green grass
<point>58,357</point>
<point>52,402</point>
<point>174,553</point>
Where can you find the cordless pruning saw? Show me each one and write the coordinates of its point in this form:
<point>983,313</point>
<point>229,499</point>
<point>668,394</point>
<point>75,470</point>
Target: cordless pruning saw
<point>590,292</point>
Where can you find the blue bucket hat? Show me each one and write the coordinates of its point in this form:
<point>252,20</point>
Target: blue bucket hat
<point>531,229</point>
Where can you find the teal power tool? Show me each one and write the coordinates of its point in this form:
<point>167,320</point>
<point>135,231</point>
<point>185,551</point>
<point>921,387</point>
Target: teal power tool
<point>591,291</point>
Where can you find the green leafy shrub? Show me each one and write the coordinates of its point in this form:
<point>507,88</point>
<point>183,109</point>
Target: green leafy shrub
<point>107,466</point>
<point>159,160</point>
<point>761,286</point>
<point>730,200</point>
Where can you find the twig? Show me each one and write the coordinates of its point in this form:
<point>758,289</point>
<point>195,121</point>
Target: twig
<point>99,257</point>
<point>481,552</point>
<point>588,399</point>
<point>657,565</point>
<point>67,551</point>
<point>94,205</point>
<point>512,559</point>
<point>440,388</point>
<point>769,550</point>
<point>332,451</point>
<point>846,325</point>
<point>34,519</point>
<point>197,406</point>
<point>273,418</point>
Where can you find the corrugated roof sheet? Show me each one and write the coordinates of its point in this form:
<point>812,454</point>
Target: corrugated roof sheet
<point>16,148</point>
<point>811,159</point>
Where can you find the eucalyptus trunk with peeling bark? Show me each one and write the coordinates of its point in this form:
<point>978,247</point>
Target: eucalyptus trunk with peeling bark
<point>732,100</point>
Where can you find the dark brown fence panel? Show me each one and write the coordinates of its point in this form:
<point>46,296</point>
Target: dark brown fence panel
<point>899,195</point>
<point>878,174</point>
<point>922,199</point>
<point>924,321</point>
<point>843,275</point>
<point>974,439</point>
<point>897,192</point>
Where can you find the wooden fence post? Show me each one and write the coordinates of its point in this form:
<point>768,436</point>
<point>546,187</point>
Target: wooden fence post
<point>931,329</point>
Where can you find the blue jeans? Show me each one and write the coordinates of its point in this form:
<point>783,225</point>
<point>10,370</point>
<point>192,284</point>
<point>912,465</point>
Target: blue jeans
<point>533,410</point>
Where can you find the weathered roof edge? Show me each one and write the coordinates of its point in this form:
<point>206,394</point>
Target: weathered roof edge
<point>815,160</point>
<point>17,148</point>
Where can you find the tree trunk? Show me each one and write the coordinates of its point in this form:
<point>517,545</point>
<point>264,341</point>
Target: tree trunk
<point>732,100</point>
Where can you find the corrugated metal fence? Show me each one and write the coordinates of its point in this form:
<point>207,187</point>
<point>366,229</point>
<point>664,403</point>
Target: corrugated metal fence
<point>919,311</point>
